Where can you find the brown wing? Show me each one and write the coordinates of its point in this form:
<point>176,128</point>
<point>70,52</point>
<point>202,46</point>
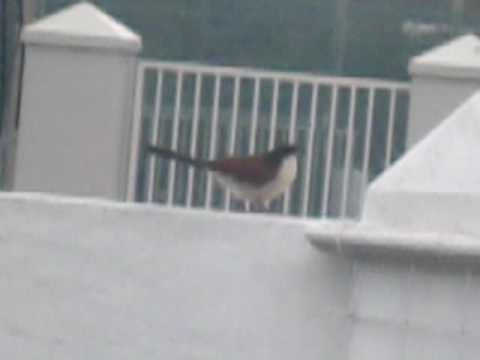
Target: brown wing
<point>253,170</point>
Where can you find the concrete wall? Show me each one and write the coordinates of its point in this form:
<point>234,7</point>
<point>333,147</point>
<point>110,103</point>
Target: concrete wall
<point>415,309</point>
<point>97,280</point>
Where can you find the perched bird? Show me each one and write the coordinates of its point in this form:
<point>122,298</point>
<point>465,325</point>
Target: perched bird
<point>258,178</point>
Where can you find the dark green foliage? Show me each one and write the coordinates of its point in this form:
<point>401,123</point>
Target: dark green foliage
<point>298,35</point>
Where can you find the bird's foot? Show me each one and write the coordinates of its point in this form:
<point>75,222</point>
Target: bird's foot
<point>259,207</point>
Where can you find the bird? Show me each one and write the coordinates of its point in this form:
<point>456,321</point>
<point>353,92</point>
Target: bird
<point>257,179</point>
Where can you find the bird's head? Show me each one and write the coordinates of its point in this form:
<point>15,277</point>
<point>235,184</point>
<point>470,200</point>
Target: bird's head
<point>287,149</point>
<point>281,152</point>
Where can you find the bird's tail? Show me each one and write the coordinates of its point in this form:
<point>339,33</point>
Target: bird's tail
<point>173,155</point>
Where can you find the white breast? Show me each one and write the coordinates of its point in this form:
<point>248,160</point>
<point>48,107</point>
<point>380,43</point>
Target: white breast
<point>267,192</point>
<point>284,178</point>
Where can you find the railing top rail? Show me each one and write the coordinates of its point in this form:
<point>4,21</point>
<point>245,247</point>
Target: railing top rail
<point>243,72</point>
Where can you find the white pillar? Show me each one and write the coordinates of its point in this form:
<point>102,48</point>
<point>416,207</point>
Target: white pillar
<point>77,104</point>
<point>442,79</point>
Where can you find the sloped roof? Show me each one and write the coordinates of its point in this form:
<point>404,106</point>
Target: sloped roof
<point>436,185</point>
<point>445,161</point>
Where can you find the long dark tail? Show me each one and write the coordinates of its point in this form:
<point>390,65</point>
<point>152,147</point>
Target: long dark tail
<point>173,155</point>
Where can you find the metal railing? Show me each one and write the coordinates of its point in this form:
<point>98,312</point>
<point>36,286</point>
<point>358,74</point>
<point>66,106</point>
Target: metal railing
<point>348,131</point>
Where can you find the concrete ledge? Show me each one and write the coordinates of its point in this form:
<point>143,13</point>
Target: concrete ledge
<point>32,199</point>
<point>361,240</point>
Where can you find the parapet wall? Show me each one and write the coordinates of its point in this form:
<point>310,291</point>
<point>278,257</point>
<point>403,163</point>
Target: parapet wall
<point>88,279</point>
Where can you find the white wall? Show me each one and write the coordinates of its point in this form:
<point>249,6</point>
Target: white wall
<point>417,309</point>
<point>87,279</point>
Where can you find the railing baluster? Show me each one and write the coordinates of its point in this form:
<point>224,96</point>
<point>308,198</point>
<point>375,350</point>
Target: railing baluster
<point>309,149</point>
<point>368,135</point>
<point>194,134</point>
<point>213,138</point>
<point>391,121</point>
<point>273,116</point>
<point>330,140</point>
<point>291,139</point>
<point>348,150</point>
<point>233,131</point>
<point>154,136</point>
<point>175,126</point>
<point>135,142</point>
<point>254,125</point>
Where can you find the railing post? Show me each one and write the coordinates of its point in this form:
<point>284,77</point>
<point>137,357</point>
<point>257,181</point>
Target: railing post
<point>77,105</point>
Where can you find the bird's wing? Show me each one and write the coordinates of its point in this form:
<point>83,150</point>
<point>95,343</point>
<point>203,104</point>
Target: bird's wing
<point>253,170</point>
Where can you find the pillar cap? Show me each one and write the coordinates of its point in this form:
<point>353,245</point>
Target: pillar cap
<point>458,58</point>
<point>82,25</point>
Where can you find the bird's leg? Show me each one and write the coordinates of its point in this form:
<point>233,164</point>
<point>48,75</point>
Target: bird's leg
<point>260,206</point>
<point>266,206</point>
